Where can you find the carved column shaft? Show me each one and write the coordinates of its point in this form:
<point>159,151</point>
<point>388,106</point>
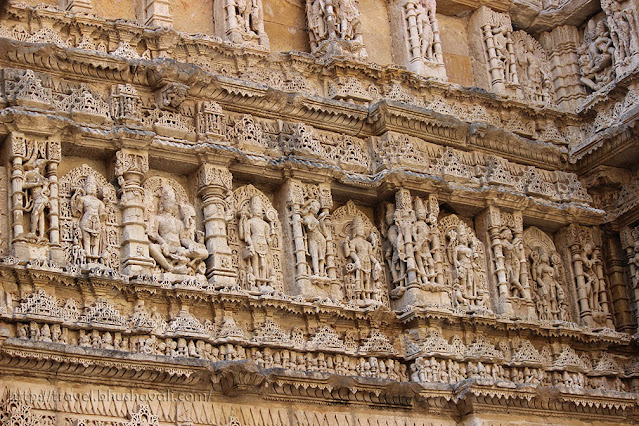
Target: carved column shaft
<point>561,45</point>
<point>215,184</point>
<point>413,34</point>
<point>54,210</point>
<point>585,313</point>
<point>497,73</point>
<point>630,244</point>
<point>17,196</point>
<point>603,294</point>
<point>130,168</point>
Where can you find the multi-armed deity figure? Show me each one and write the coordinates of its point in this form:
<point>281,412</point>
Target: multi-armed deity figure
<point>256,233</point>
<point>596,55</point>
<point>86,205</point>
<point>364,269</point>
<point>172,242</point>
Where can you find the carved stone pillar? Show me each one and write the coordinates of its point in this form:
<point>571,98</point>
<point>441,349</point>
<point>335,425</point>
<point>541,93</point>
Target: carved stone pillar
<point>295,200</point>
<point>81,6</point>
<point>130,168</point>
<point>490,36</point>
<point>241,22</point>
<point>34,191</point>
<point>490,220</point>
<point>584,247</point>
<point>309,211</point>
<point>630,243</point>
<point>214,186</point>
<point>561,47</point>
<point>503,233</point>
<point>157,13</point>
<point>417,41</point>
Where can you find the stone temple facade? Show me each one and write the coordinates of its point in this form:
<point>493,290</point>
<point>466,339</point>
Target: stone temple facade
<point>331,212</point>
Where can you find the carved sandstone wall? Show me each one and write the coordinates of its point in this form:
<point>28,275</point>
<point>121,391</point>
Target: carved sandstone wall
<point>330,212</point>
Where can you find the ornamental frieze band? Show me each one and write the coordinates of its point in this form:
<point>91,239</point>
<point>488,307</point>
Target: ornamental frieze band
<point>329,212</point>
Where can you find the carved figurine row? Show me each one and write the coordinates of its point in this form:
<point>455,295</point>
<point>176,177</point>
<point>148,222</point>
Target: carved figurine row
<point>181,347</point>
<point>432,370</point>
<point>422,369</point>
<point>509,62</point>
<point>419,258</point>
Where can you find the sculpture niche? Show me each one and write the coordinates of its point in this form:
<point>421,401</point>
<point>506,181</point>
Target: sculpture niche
<point>418,45</point>
<point>465,265</point>
<point>241,21</point>
<point>34,201</point>
<point>547,276</point>
<point>89,220</point>
<point>335,28</point>
<point>254,238</point>
<point>312,235</point>
<point>175,243</point>
<point>412,251</point>
<point>596,54</point>
<point>359,262</point>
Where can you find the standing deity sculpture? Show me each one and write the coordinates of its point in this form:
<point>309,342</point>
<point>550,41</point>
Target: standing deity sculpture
<point>533,69</point>
<point>89,219</point>
<point>592,283</point>
<point>241,21</point>
<point>417,44</point>
<point>547,276</point>
<point>423,238</point>
<point>582,245</point>
<point>596,54</point>
<point>363,271</point>
<point>411,250</point>
<point>36,195</point>
<point>630,242</point>
<point>491,41</point>
<point>623,23</point>
<point>335,28</point>
<point>92,213</point>
<point>315,236</point>
<point>464,257</point>
<point>514,262</point>
<point>34,198</point>
<point>173,245</point>
<point>254,234</point>
<point>502,45</point>
<point>312,236</point>
<point>465,267</point>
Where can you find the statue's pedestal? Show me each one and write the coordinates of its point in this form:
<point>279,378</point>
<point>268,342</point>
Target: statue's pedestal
<point>517,307</point>
<point>320,288</point>
<point>28,250</point>
<point>428,68</point>
<point>420,296</point>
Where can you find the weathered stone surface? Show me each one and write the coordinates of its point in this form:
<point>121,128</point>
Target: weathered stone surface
<point>330,212</point>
